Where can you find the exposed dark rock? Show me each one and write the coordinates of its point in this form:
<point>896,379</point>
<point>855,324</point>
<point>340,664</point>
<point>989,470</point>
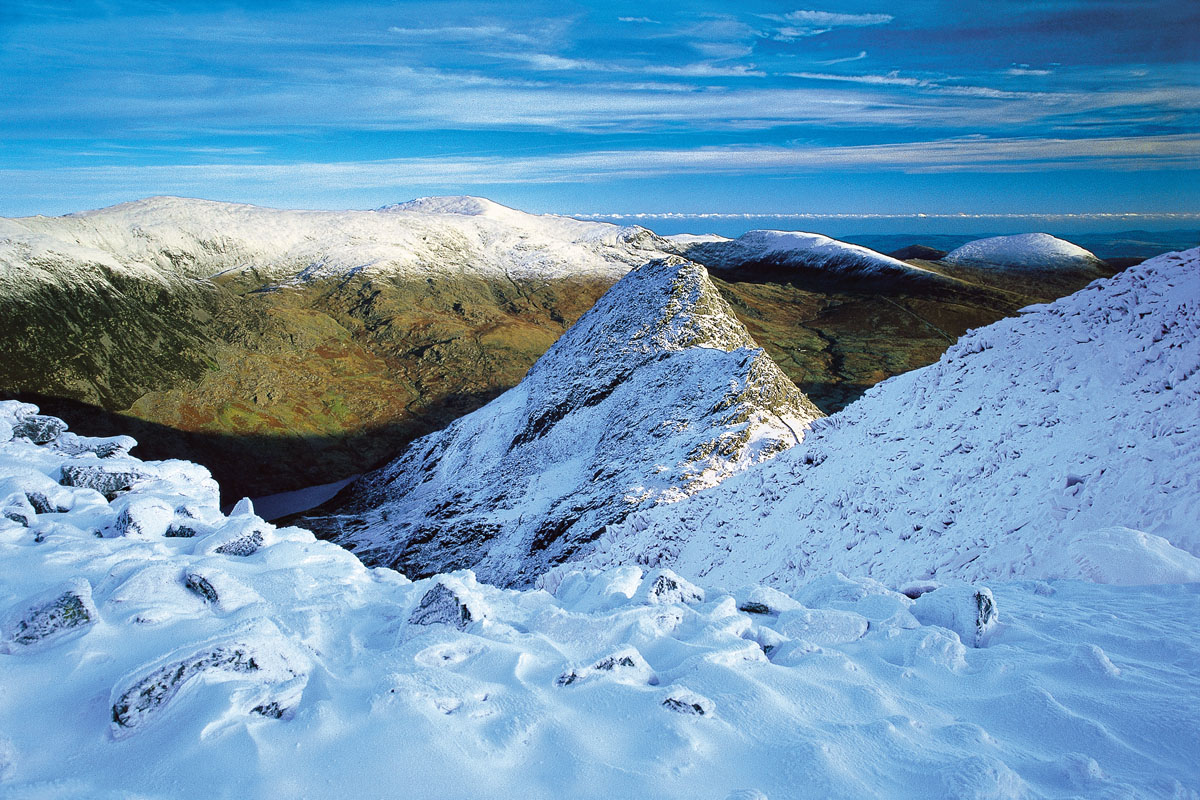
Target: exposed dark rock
<point>683,707</point>
<point>751,607</point>
<point>155,690</point>
<point>40,429</point>
<point>109,480</point>
<point>627,663</point>
<point>442,604</point>
<point>272,710</point>
<point>178,530</point>
<point>20,510</point>
<point>68,611</point>
<point>201,586</point>
<point>667,587</point>
<point>245,545</point>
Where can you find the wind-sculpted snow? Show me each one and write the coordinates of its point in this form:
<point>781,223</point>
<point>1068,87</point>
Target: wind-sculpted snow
<point>144,664</point>
<point>1062,443</point>
<point>147,666</point>
<point>1038,251</point>
<point>656,392</point>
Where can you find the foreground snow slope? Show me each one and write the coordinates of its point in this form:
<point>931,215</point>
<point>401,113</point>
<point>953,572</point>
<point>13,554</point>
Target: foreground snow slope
<point>1039,251</point>
<point>654,393</point>
<point>183,653</point>
<point>1062,443</point>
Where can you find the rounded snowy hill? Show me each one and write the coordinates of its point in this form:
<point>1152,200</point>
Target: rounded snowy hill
<point>798,252</point>
<point>1059,444</point>
<point>1025,251</point>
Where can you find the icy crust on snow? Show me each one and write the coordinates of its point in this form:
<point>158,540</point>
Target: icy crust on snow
<point>1062,443</point>
<point>656,392</point>
<point>1024,251</point>
<point>170,238</point>
<point>798,249</point>
<point>296,671</point>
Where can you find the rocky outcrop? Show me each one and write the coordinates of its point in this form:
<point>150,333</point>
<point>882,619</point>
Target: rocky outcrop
<point>657,392</point>
<point>441,604</point>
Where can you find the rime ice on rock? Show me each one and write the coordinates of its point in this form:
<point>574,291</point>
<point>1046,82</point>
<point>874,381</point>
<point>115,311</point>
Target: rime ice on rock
<point>50,618</point>
<point>441,604</point>
<point>655,393</point>
<point>969,611</point>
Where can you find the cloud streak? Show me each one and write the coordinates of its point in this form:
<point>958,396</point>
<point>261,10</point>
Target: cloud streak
<point>960,155</point>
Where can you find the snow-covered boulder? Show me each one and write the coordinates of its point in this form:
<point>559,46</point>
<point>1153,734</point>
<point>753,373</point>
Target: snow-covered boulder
<point>969,611</point>
<point>51,616</point>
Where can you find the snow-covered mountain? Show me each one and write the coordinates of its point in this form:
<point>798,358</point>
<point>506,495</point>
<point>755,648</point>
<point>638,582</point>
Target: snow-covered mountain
<point>152,646</point>
<point>809,254</point>
<point>1025,251</point>
<point>172,238</point>
<point>656,392</point>
<point>1062,443</point>
<point>320,342</point>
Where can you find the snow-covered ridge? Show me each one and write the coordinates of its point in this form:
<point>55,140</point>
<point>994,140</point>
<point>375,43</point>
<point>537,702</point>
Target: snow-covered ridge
<point>1061,443</point>
<point>166,238</point>
<point>656,392</point>
<point>798,249</point>
<point>152,646</point>
<point>1024,251</point>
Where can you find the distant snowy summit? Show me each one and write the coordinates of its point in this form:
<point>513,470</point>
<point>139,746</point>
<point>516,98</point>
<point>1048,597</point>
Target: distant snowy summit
<point>176,238</point>
<point>804,253</point>
<point>1025,251</point>
<point>656,392</point>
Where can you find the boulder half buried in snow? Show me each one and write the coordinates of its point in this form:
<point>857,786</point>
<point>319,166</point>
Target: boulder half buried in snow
<point>657,392</point>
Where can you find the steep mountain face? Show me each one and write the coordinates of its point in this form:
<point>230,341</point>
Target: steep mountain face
<point>317,342</point>
<point>1058,444</point>
<point>656,392</point>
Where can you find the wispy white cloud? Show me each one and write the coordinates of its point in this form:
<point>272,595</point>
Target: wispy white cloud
<point>832,19</point>
<point>966,155</point>
<point>554,63</point>
<point>1025,69</point>
<point>861,55</point>
<point>462,33</point>
<point>802,24</point>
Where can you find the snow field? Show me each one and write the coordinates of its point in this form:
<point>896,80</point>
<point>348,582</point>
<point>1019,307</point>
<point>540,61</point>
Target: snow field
<point>290,669</point>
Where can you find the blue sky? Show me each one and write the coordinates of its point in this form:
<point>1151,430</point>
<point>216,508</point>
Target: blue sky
<point>989,107</point>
